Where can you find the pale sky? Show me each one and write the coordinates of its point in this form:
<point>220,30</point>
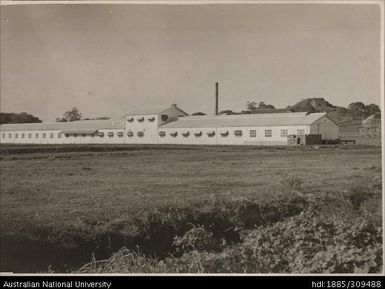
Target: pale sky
<point>109,59</point>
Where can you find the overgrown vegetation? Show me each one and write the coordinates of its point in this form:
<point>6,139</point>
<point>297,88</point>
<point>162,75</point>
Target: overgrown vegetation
<point>308,242</point>
<point>301,244</point>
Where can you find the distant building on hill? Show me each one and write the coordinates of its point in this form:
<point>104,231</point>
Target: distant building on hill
<point>371,126</point>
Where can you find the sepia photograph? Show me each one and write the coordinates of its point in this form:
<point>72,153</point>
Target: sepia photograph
<point>191,137</point>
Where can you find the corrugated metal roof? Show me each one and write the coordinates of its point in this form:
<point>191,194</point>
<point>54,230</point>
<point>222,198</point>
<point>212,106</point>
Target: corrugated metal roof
<point>275,119</point>
<point>83,125</point>
<point>148,111</point>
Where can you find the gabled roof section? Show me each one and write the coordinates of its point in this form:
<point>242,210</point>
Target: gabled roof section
<point>81,125</point>
<point>275,119</point>
<point>333,120</point>
<point>148,111</point>
<point>155,110</point>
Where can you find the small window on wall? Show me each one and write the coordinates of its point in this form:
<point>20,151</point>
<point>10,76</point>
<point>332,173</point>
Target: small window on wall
<point>130,119</point>
<point>162,133</point>
<point>84,134</point>
<point>92,135</point>
<point>16,135</point>
<point>3,135</point>
<point>120,134</point>
<point>253,133</point>
<point>30,135</point>
<point>141,119</point>
<point>140,134</point>
<point>44,134</point>
<point>237,133</point>
<point>67,135</point>
<point>10,135</point>
<point>268,132</point>
<point>211,133</point>
<point>151,119</point>
<point>110,134</point>
<point>58,135</point>
<point>37,135</point>
<point>130,134</point>
<point>51,135</point>
<point>164,117</point>
<point>284,132</point>
<point>300,131</point>
<point>22,135</point>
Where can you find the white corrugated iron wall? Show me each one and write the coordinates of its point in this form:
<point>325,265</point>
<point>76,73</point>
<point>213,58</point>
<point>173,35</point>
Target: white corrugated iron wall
<point>229,135</point>
<point>194,136</point>
<point>145,129</point>
<point>141,129</point>
<point>326,128</point>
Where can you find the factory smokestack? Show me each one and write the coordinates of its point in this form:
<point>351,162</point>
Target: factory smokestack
<point>216,97</point>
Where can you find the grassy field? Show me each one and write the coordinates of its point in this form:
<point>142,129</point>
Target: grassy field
<point>74,203</point>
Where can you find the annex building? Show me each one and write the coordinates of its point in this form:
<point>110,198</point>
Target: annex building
<point>371,126</point>
<point>171,125</point>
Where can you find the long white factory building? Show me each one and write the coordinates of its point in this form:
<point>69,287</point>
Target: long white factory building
<point>171,125</point>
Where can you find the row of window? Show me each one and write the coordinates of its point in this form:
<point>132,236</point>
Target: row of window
<point>164,117</point>
<point>58,135</point>
<point>237,133</point>
<point>30,135</point>
<point>99,134</point>
<point>141,119</point>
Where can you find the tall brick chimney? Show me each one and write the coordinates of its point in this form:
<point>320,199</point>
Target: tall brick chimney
<point>216,97</point>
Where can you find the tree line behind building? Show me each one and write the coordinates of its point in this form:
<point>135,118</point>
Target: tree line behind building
<point>351,115</point>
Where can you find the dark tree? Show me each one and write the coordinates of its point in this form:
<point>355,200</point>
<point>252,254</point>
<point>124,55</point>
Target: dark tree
<point>227,112</point>
<point>198,113</point>
<point>358,109</point>
<point>71,115</point>
<point>269,106</point>
<point>22,117</point>
<point>97,118</point>
<point>372,108</point>
<point>253,105</point>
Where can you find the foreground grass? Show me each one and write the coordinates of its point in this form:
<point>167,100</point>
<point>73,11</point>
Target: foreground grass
<point>102,187</point>
<point>98,202</point>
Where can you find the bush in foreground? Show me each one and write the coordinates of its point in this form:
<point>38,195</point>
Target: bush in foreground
<point>300,244</point>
